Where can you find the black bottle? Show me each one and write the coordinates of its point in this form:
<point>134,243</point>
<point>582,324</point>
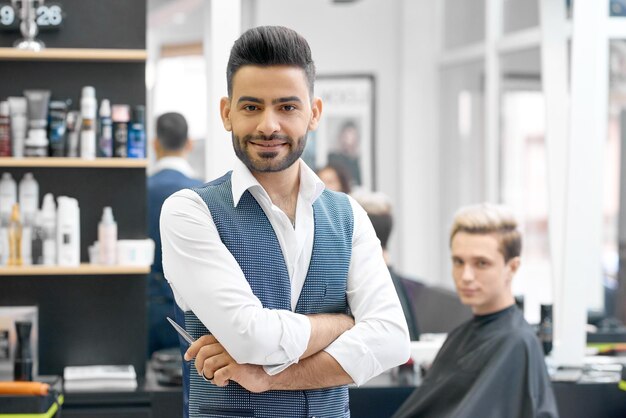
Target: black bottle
<point>545,328</point>
<point>519,302</point>
<point>23,363</point>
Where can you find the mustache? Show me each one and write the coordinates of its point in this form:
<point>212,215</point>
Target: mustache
<point>267,138</point>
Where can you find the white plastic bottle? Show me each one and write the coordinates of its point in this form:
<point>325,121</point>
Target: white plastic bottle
<point>68,231</point>
<point>29,198</point>
<point>49,224</point>
<point>28,194</point>
<point>107,238</point>
<point>88,110</point>
<point>8,197</point>
<point>19,125</point>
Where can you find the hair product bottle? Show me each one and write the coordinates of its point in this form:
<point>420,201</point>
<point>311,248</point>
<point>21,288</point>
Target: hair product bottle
<point>57,125</point>
<point>29,205</point>
<point>88,107</point>
<point>29,198</point>
<point>19,125</point>
<point>137,134</point>
<point>107,238</point>
<point>5,130</point>
<point>105,130</point>
<point>23,363</point>
<point>36,145</point>
<point>68,232</point>
<point>121,117</point>
<point>15,237</point>
<point>8,197</point>
<point>38,236</point>
<point>73,122</point>
<point>49,224</point>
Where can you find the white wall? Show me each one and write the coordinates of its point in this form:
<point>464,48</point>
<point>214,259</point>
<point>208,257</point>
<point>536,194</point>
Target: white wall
<point>419,225</point>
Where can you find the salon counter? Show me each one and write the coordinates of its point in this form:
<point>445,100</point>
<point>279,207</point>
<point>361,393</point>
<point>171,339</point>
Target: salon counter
<point>379,398</point>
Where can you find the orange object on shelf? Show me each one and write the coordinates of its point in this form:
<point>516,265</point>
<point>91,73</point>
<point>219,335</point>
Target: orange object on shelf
<point>24,388</point>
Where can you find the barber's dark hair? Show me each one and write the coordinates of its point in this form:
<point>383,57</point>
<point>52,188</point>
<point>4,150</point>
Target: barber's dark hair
<point>267,46</point>
<point>171,130</point>
<point>382,223</point>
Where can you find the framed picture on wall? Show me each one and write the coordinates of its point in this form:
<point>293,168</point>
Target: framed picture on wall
<point>345,135</point>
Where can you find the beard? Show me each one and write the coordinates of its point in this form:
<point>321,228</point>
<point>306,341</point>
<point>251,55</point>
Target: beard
<point>268,162</point>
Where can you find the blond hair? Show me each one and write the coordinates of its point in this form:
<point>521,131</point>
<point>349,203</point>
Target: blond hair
<point>487,218</point>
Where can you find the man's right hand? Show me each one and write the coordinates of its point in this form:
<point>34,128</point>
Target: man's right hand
<point>210,356</point>
<point>215,364</point>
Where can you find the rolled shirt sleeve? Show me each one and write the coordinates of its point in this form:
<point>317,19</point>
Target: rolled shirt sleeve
<point>380,338</point>
<point>207,279</point>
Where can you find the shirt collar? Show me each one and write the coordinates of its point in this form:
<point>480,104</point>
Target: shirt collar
<point>311,187</point>
<point>173,163</point>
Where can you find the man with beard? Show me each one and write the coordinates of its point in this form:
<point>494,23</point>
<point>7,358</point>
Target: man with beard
<point>282,282</point>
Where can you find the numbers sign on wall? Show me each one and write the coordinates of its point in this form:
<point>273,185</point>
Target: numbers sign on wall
<point>50,16</point>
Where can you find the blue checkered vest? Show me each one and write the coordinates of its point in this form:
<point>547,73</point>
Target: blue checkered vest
<point>249,236</point>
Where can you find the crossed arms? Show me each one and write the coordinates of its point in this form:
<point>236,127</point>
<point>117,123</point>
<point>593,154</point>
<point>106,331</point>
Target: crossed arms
<point>316,368</point>
<point>298,351</point>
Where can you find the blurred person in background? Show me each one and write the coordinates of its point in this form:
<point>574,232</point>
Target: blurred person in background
<point>335,178</point>
<point>378,209</point>
<point>347,151</point>
<point>170,174</point>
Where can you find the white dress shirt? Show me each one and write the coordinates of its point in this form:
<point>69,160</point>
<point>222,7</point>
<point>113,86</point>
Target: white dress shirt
<point>207,279</point>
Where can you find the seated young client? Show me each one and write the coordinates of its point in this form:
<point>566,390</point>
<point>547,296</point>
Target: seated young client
<point>491,365</point>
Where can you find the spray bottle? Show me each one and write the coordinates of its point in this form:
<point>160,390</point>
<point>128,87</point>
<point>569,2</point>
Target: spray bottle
<point>8,197</point>
<point>88,107</point>
<point>107,238</point>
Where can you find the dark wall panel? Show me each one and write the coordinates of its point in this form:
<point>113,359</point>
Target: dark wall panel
<point>94,24</point>
<point>118,82</point>
<point>87,319</point>
<point>84,320</point>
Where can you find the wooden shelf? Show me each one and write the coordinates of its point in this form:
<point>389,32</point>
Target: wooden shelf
<point>70,162</point>
<point>83,269</point>
<point>75,54</point>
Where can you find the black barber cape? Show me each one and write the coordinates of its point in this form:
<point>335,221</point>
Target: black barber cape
<point>489,367</point>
